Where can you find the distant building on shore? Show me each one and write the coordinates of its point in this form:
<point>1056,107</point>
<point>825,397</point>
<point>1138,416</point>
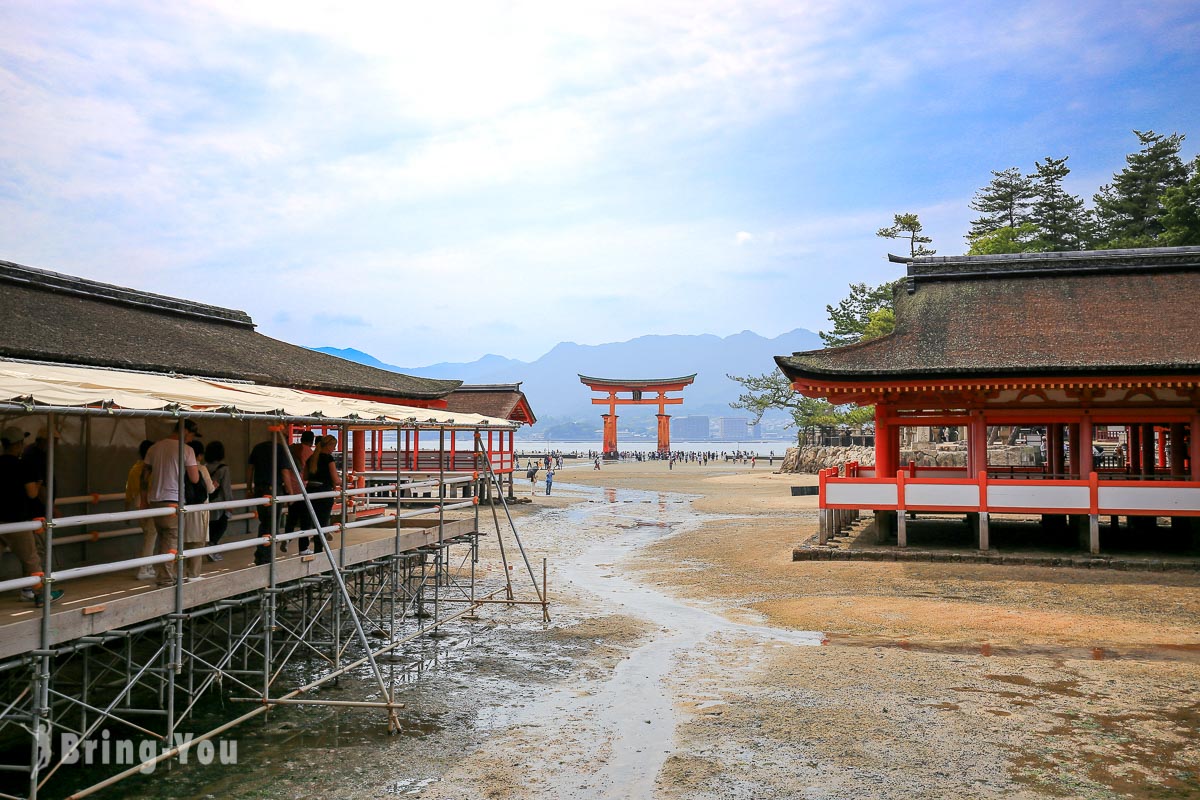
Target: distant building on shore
<point>695,428</point>
<point>733,429</point>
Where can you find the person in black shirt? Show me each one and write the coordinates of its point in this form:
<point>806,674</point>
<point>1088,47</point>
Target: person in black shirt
<point>15,490</point>
<point>262,483</point>
<point>321,475</point>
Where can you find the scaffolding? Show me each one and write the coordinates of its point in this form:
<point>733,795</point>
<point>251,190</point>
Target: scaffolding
<point>265,636</point>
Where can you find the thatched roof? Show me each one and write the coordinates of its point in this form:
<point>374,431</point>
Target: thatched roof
<point>67,320</point>
<point>1115,312</point>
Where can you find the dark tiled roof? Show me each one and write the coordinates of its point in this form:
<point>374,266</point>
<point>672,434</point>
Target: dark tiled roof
<point>1102,312</point>
<point>47,316</point>
<point>684,379</point>
<point>504,400</point>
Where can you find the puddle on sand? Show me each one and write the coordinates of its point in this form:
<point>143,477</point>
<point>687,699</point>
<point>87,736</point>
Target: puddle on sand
<point>632,710</point>
<point>1186,653</point>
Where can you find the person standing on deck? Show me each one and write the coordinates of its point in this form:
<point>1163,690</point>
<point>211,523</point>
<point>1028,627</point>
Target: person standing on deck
<point>264,484</point>
<point>195,523</point>
<point>297,511</point>
<point>137,483</point>
<point>321,475</point>
<point>14,505</point>
<point>165,491</point>
<point>218,521</point>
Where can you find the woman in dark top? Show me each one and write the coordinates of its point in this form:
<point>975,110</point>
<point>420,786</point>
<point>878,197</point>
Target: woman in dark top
<point>321,475</point>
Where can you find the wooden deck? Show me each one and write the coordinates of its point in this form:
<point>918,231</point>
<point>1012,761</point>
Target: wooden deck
<point>103,603</point>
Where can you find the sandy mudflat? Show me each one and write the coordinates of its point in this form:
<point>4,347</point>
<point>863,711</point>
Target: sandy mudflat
<point>938,680</point>
<point>690,658</point>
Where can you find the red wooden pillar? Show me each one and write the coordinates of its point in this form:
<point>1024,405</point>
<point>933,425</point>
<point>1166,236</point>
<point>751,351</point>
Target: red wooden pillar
<point>359,439</point>
<point>1054,448</point>
<point>610,424</point>
<point>1086,435</point>
<point>885,459</point>
<point>976,443</point>
<point>1135,449</point>
<point>610,433</point>
<point>1194,447</point>
<point>1074,446</point>
<point>1178,452</point>
<point>1147,449</point>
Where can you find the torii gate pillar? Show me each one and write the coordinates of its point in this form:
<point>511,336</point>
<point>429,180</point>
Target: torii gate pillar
<point>610,432</point>
<point>660,386</point>
<point>664,433</point>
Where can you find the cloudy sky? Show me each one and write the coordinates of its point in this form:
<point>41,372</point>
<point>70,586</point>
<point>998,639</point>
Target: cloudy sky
<point>435,181</point>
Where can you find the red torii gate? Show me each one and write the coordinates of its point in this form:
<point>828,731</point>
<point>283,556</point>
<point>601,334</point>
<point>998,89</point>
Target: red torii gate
<point>635,387</point>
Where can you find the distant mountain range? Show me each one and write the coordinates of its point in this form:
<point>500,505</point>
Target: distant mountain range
<point>552,385</point>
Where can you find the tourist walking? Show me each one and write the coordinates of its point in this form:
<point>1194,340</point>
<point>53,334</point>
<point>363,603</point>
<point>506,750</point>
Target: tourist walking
<point>14,505</point>
<point>321,475</point>
<point>165,491</point>
<point>218,470</point>
<point>195,522</point>
<point>137,482</point>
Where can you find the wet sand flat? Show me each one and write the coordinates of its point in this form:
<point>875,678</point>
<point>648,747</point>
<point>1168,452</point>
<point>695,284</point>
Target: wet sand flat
<point>690,657</point>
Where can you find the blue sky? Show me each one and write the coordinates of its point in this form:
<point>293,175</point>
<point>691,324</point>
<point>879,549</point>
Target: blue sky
<point>432,182</point>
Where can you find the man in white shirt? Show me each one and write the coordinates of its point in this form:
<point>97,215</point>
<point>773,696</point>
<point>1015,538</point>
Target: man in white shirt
<point>162,459</point>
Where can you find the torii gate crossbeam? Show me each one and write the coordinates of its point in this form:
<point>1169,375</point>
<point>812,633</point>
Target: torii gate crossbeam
<point>636,388</point>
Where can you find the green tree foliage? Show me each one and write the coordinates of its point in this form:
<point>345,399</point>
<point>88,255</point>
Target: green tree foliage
<point>1129,211</point>
<point>773,390</point>
<point>908,226</point>
<point>865,314</point>
<point>1003,203</point>
<point>1181,211</point>
<point>1021,239</point>
<point>1060,220</point>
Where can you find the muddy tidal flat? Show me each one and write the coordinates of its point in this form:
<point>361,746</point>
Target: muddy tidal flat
<point>689,657</point>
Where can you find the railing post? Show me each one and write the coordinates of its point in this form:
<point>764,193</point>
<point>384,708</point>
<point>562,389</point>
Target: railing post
<point>823,513</point>
<point>984,544</point>
<point>1093,513</point>
<point>901,517</point>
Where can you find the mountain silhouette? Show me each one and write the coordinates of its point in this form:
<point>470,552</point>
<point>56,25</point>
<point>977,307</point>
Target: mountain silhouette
<point>552,385</point>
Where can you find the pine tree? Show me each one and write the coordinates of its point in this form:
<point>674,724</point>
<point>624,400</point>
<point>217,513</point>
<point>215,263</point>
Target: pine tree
<point>1004,203</point>
<point>1181,217</point>
<point>1059,218</point>
<point>908,226</point>
<point>866,314</point>
<point>1129,211</point>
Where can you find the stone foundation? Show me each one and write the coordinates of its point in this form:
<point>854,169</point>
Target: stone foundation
<point>953,454</point>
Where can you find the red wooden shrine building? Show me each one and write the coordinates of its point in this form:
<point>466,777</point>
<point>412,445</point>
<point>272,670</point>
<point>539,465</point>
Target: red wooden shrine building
<point>637,389</point>
<point>1095,354</point>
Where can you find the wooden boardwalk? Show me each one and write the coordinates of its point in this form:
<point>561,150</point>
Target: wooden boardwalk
<point>101,603</point>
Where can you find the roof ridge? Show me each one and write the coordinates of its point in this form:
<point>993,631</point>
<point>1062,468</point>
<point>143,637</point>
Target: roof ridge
<point>83,287</point>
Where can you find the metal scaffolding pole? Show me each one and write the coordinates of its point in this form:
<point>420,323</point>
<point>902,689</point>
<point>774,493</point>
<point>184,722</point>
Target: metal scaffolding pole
<point>335,570</point>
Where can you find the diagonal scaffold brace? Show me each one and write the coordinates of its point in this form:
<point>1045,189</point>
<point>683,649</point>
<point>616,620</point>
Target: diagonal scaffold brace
<point>539,590</point>
<point>336,570</point>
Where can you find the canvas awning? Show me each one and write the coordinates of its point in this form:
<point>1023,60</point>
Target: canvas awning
<point>34,386</point>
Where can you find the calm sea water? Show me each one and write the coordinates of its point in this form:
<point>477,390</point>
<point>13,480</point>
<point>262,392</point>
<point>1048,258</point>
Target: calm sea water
<point>777,447</point>
<point>429,441</point>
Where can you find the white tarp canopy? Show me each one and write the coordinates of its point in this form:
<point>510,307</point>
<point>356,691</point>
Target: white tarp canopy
<point>81,387</point>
